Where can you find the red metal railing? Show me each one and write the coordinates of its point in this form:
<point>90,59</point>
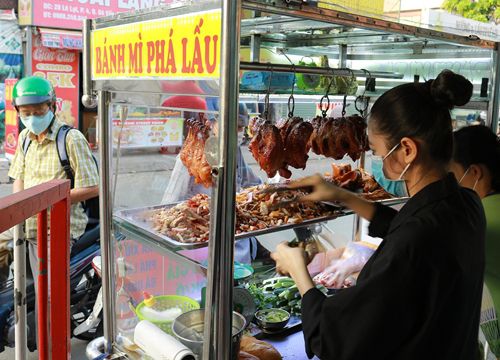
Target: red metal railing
<point>16,208</point>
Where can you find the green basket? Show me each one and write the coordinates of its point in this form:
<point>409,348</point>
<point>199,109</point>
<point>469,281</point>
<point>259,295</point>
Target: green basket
<point>165,302</point>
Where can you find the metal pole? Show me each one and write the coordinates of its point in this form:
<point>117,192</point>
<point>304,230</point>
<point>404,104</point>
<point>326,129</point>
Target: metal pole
<point>219,304</point>
<point>494,104</point>
<point>42,295</point>
<point>356,231</point>
<point>89,99</point>
<point>28,56</point>
<point>316,70</point>
<point>255,41</point>
<point>20,293</point>
<point>105,205</point>
<point>343,56</point>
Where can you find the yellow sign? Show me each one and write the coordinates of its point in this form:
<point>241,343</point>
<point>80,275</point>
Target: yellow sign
<point>182,47</point>
<point>24,12</point>
<point>375,7</point>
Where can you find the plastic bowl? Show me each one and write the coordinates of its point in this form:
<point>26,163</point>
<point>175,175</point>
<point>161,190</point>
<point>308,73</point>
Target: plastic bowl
<point>270,325</point>
<point>189,327</point>
<point>165,302</point>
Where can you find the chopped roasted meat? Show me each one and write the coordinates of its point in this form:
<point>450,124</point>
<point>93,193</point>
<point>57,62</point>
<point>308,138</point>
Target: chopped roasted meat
<point>193,152</point>
<point>357,180</point>
<point>267,147</point>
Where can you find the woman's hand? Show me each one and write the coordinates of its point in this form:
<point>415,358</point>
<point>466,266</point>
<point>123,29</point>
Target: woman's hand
<point>291,261</point>
<point>322,190</point>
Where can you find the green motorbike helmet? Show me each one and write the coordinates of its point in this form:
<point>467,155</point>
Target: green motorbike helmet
<point>33,90</point>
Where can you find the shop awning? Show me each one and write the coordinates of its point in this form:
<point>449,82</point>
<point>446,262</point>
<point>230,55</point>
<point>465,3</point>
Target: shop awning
<point>61,39</point>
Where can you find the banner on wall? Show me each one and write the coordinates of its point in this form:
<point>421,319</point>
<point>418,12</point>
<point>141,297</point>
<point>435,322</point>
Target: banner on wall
<point>61,68</point>
<point>181,47</point>
<point>148,132</point>
<point>11,121</point>
<point>64,14</point>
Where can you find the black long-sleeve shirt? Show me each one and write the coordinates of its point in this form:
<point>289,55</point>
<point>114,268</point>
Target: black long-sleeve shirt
<point>419,296</point>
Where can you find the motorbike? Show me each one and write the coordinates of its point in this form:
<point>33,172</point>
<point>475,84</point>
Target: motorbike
<point>84,288</point>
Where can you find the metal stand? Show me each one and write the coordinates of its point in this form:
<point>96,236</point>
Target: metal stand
<point>20,293</point>
<point>106,220</point>
<point>219,300</point>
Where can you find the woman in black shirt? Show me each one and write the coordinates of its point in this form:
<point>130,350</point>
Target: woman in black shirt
<point>419,295</point>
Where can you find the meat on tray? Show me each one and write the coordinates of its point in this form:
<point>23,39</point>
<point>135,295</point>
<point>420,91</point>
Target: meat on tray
<point>331,137</point>
<point>193,152</point>
<point>357,180</point>
<point>188,222</point>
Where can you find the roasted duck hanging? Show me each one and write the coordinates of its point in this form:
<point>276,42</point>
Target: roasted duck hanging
<point>193,152</point>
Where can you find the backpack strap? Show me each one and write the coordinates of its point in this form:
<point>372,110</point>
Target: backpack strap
<point>62,152</point>
<point>26,144</point>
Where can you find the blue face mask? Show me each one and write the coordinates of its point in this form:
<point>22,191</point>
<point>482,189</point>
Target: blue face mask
<point>38,124</point>
<point>395,187</point>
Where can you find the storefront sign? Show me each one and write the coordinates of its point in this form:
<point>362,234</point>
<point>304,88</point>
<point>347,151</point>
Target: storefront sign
<point>11,120</point>
<point>61,39</point>
<point>61,68</point>
<point>186,47</point>
<point>148,132</point>
<point>373,7</point>
<point>69,14</point>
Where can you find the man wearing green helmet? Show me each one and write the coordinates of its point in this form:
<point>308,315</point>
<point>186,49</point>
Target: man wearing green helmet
<point>36,160</point>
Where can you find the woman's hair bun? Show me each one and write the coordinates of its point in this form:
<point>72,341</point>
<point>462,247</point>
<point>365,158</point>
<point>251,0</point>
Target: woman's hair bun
<point>450,89</point>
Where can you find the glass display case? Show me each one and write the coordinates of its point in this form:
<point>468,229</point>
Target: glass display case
<point>153,70</point>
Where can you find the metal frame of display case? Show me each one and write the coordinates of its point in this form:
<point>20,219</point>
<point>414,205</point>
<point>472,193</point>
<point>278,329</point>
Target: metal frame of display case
<point>220,281</point>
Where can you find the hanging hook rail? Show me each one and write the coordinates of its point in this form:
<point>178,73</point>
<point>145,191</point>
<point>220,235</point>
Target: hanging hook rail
<point>361,102</point>
<point>326,97</point>
<point>291,99</point>
<point>266,98</point>
<point>255,66</point>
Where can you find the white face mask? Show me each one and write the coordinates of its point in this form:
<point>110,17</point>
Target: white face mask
<point>464,175</point>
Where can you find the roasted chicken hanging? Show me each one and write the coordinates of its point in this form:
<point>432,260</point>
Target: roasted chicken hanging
<point>331,137</point>
<point>193,152</point>
<point>336,137</point>
<point>295,133</point>
<point>267,146</point>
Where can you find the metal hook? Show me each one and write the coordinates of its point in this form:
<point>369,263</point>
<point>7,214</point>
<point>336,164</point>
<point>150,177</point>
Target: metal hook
<point>362,98</point>
<point>291,99</point>
<point>326,97</point>
<point>344,104</point>
<point>266,98</point>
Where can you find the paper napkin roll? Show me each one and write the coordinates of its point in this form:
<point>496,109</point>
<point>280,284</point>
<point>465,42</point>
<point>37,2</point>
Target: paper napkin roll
<point>158,344</point>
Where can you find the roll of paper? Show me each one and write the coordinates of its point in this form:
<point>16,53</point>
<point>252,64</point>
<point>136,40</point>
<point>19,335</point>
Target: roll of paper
<point>158,344</point>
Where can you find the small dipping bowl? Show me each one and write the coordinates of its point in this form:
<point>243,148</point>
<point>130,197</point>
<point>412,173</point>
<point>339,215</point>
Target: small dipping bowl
<point>263,321</point>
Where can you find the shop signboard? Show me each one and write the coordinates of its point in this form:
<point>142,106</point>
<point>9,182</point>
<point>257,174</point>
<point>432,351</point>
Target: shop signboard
<point>69,14</point>
<point>183,47</point>
<point>148,132</point>
<point>11,121</point>
<point>61,68</point>
<point>372,7</point>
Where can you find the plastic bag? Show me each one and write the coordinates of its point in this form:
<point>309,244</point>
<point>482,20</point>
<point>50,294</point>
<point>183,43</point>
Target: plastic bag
<point>342,271</point>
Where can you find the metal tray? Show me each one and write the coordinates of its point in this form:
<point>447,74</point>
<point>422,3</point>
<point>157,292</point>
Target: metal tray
<point>138,219</point>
